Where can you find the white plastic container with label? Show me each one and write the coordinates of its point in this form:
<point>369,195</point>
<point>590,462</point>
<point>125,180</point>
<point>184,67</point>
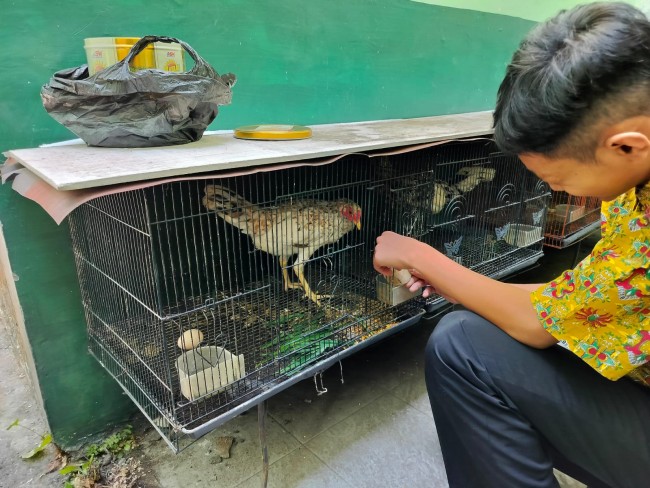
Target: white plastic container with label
<point>102,52</point>
<point>169,57</point>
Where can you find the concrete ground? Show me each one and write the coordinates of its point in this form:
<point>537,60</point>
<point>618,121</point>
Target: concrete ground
<point>17,402</point>
<point>375,429</point>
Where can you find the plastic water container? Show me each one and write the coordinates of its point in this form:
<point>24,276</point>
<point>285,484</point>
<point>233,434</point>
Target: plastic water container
<point>102,52</point>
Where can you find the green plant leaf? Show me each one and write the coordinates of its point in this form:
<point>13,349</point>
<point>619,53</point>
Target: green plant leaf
<point>15,423</point>
<point>85,466</point>
<point>71,468</point>
<point>68,485</point>
<point>45,441</point>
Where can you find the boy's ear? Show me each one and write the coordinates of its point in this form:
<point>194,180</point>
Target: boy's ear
<point>629,143</point>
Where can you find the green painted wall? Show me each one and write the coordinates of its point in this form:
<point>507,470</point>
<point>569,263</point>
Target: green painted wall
<point>537,11</point>
<point>303,62</point>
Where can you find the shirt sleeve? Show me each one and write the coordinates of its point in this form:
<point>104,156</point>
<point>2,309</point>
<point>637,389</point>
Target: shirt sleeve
<point>586,316</point>
<point>601,309</point>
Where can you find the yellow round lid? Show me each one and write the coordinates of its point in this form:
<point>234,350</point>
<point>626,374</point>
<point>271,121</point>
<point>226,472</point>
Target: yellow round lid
<point>270,132</point>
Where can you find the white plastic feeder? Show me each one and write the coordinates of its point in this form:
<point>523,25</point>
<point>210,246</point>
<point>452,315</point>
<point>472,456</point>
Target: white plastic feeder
<point>522,235</point>
<point>393,294</point>
<point>569,213</point>
<point>208,370</point>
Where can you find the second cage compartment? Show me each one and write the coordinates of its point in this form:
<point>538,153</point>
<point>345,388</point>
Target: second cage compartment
<point>570,219</point>
<point>204,297</point>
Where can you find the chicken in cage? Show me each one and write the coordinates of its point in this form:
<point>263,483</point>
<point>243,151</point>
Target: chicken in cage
<point>570,219</point>
<point>204,297</point>
<point>294,228</point>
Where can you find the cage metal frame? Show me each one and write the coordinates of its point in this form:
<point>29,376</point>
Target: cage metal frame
<point>154,263</point>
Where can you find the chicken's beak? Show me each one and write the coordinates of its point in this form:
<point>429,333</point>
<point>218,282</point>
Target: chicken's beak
<point>358,224</point>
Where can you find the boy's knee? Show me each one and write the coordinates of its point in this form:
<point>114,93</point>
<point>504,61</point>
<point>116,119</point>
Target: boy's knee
<point>448,339</point>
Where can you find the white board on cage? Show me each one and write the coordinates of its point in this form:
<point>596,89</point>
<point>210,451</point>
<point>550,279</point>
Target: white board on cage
<point>73,165</point>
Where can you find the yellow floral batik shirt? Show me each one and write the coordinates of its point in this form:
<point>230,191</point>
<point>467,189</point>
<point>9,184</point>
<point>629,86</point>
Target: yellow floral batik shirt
<point>601,309</point>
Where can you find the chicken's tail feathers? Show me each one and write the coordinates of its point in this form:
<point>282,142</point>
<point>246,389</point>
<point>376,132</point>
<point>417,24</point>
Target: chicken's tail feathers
<point>220,199</point>
<point>228,205</point>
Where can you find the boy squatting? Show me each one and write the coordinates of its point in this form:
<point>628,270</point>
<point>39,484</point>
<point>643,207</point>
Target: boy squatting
<point>509,403</point>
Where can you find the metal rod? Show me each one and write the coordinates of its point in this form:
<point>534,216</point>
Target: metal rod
<point>261,421</point>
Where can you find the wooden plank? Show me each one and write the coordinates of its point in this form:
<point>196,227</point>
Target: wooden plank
<point>76,166</point>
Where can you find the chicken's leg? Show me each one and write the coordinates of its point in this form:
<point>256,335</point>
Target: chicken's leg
<point>299,269</point>
<point>285,275</point>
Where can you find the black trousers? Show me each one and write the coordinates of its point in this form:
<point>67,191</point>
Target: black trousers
<point>506,413</point>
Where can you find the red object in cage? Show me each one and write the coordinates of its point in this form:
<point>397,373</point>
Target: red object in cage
<point>570,219</point>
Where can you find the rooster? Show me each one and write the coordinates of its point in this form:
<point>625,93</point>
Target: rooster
<point>444,192</point>
<point>296,228</point>
<point>433,195</point>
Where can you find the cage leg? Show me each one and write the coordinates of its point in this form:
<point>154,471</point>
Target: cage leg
<point>261,422</point>
<point>319,389</point>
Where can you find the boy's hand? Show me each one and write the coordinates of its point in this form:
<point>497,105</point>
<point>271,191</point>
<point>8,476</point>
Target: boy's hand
<point>393,251</point>
<point>417,281</point>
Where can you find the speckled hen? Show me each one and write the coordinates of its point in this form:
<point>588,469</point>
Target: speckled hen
<point>296,228</point>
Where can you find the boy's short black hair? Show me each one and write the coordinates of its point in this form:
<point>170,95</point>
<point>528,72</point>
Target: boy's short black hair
<point>584,68</point>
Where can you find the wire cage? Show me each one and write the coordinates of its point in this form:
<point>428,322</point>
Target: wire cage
<point>570,219</point>
<point>204,297</point>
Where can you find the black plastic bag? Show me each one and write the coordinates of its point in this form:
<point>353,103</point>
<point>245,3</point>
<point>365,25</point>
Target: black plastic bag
<point>120,108</point>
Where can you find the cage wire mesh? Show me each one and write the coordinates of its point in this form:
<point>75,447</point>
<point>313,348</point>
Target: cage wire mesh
<point>570,219</point>
<point>204,297</point>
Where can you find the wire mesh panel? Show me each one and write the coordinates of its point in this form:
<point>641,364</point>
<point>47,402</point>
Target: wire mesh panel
<point>570,219</point>
<point>203,297</point>
<point>479,207</point>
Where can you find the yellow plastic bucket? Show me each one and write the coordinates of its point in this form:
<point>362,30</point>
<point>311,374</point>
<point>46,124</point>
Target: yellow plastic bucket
<point>144,60</point>
<point>102,52</point>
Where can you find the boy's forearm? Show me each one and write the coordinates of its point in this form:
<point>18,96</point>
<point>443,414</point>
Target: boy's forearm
<point>527,286</point>
<point>503,304</point>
